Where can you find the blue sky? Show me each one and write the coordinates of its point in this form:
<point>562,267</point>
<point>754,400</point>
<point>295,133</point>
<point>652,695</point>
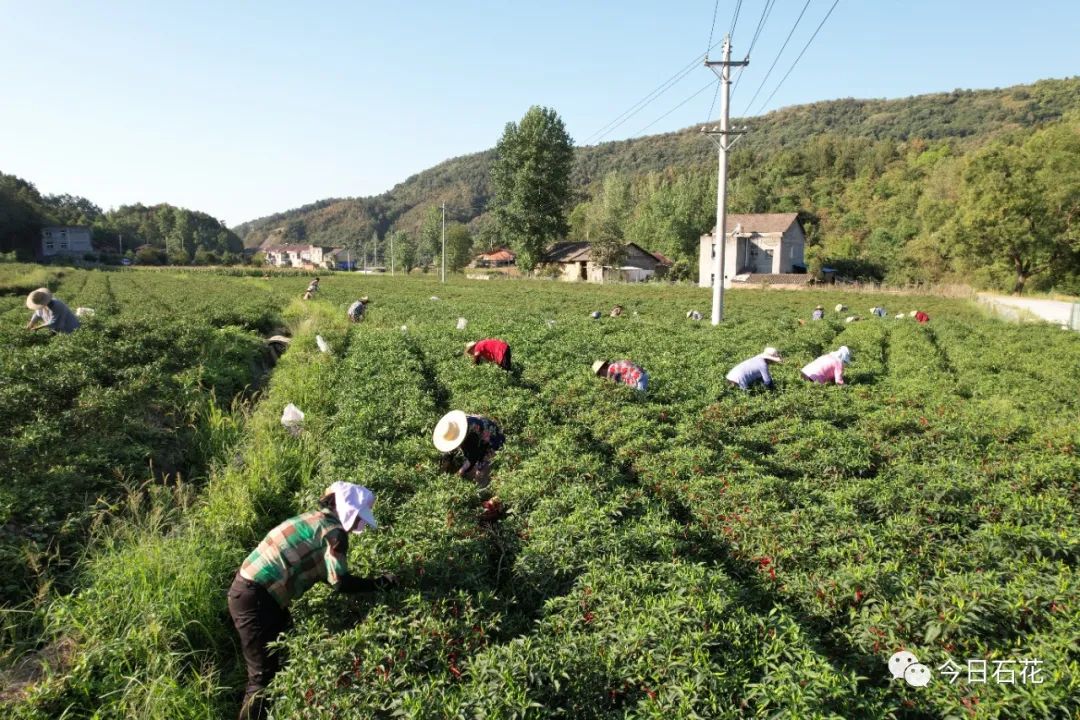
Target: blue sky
<point>244,109</point>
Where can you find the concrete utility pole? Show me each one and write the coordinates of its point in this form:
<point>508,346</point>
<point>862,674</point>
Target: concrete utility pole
<point>391,253</point>
<point>720,137</point>
<point>444,242</point>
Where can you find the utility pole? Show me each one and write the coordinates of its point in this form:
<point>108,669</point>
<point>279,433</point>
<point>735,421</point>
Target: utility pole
<point>391,253</point>
<point>720,137</point>
<point>444,242</point>
<point>121,243</point>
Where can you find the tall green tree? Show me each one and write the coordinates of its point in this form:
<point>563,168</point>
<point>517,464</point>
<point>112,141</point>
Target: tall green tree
<point>531,182</point>
<point>430,245</point>
<point>404,251</point>
<point>459,244</point>
<point>610,216</point>
<point>1020,205</point>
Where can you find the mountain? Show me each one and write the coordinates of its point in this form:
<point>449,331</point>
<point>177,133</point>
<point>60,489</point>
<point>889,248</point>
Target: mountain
<point>962,118</point>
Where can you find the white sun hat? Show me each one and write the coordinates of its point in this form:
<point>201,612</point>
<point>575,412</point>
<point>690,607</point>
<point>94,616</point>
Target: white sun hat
<point>450,431</point>
<point>771,353</point>
<point>840,307</point>
<point>597,365</point>
<point>844,354</point>
<point>38,298</point>
<point>353,502</point>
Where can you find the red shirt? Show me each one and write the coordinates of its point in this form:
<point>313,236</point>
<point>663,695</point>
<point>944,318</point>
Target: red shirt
<point>922,317</point>
<point>491,350</point>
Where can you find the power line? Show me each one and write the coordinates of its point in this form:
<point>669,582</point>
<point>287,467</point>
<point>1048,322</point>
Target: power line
<point>764,104</point>
<point>777,58</point>
<point>765,12</point>
<point>641,104</point>
<point>735,18</point>
<point>712,28</point>
<point>703,89</point>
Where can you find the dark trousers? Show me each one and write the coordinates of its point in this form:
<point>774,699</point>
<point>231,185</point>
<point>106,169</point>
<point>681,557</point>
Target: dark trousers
<point>505,364</point>
<point>259,620</point>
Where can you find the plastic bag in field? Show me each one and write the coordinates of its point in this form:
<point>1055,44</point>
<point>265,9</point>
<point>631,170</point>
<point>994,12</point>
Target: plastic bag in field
<point>461,323</point>
<point>404,328</point>
<point>84,312</point>
<point>550,323</point>
<point>292,418</point>
<point>323,345</point>
<point>434,297</point>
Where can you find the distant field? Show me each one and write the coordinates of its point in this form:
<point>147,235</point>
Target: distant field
<point>694,553</point>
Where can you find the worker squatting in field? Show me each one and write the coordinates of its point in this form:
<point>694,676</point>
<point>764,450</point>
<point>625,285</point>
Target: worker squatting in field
<point>50,312</point>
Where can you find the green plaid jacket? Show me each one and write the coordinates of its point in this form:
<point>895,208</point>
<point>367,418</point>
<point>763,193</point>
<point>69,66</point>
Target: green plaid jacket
<point>298,553</point>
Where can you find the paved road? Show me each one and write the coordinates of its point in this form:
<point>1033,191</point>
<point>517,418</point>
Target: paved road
<point>1055,311</point>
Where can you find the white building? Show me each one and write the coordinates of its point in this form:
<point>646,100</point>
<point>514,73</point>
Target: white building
<point>769,243</point>
<point>297,256</point>
<point>65,240</point>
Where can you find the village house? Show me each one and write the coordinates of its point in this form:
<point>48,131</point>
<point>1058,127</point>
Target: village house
<point>501,257</point>
<point>65,240</point>
<point>767,244</point>
<point>297,256</point>
<point>575,264</point>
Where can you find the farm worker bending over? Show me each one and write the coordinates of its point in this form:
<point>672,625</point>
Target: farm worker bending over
<point>616,311</point>
<point>922,317</point>
<point>829,367</point>
<point>478,437</point>
<point>489,350</point>
<point>754,370</point>
<point>819,313</point>
<point>878,311</point>
<point>622,371</point>
<point>313,285</point>
<point>50,312</point>
<point>299,552</point>
<point>357,309</point>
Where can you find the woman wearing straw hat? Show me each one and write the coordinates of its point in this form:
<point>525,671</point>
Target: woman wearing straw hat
<point>622,371</point>
<point>829,367</point>
<point>489,350</point>
<point>479,438</point>
<point>755,370</point>
<point>819,313</point>
<point>357,309</point>
<point>296,554</point>
<point>50,312</point>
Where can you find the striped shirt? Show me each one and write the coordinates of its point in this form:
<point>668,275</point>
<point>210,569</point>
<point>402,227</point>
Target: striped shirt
<point>299,552</point>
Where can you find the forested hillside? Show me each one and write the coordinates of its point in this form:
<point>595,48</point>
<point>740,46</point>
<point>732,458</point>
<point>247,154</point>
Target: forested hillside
<point>165,232</point>
<point>879,184</point>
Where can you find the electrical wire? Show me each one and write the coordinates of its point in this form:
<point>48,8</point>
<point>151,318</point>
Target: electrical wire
<point>703,89</point>
<point>712,28</point>
<point>822,23</point>
<point>644,102</point>
<point>735,19</point>
<point>777,58</point>
<point>766,11</point>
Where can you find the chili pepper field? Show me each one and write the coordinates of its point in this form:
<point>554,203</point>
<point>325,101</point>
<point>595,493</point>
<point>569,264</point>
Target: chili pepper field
<point>693,552</point>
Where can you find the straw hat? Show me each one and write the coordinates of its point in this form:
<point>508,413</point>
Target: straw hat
<point>38,299</point>
<point>597,366</point>
<point>819,307</point>
<point>771,353</point>
<point>468,347</point>
<point>450,431</point>
<point>364,299</point>
<point>353,503</point>
<point>840,307</point>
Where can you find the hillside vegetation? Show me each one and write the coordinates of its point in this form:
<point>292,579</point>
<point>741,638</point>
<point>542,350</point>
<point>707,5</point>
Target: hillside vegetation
<point>863,174</point>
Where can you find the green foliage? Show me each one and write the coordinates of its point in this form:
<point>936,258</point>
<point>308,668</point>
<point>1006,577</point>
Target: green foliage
<point>859,171</point>
<point>606,225</point>
<point>459,246</point>
<point>530,180</point>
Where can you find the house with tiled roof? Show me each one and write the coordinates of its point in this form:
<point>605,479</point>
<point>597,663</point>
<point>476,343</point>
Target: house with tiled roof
<point>764,243</point>
<point>574,260</point>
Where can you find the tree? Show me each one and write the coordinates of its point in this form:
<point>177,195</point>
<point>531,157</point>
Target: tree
<point>607,224</point>
<point>1020,205</point>
<point>404,251</point>
<point>531,181</point>
<point>295,231</point>
<point>459,244</point>
<point>430,246</point>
